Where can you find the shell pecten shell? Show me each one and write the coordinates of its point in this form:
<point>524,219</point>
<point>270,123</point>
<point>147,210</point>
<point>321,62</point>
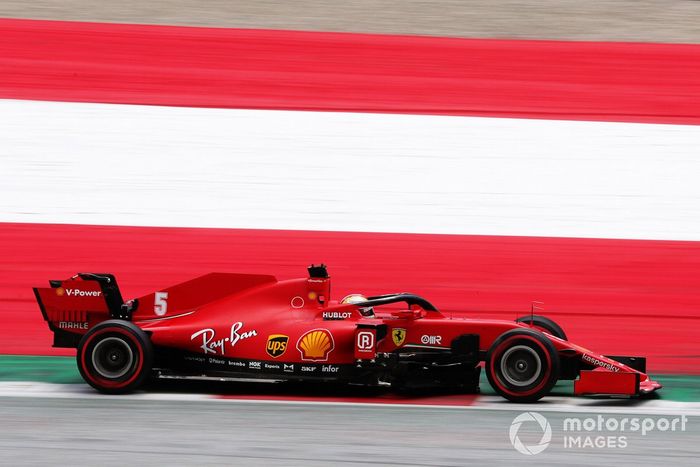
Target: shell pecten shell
<point>316,345</point>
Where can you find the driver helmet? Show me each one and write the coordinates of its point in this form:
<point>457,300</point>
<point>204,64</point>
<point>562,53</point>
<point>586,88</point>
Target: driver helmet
<point>358,298</point>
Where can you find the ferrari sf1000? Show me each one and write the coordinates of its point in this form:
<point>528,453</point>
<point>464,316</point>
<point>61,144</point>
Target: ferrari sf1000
<point>245,326</point>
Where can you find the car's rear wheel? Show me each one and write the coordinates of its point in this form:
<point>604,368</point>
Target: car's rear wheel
<point>522,365</point>
<point>115,357</point>
<point>543,324</point>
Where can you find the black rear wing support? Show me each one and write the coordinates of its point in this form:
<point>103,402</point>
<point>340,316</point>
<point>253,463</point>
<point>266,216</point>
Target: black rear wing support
<point>110,290</point>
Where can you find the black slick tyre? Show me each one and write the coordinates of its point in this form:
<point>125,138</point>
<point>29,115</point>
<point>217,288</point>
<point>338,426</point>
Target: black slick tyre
<point>522,365</point>
<point>115,357</point>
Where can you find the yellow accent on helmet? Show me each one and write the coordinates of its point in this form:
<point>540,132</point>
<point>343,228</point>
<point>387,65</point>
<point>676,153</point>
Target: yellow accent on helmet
<point>353,298</point>
<point>358,298</point>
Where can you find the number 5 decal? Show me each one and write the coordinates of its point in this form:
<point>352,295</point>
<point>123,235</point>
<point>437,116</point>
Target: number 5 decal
<point>161,305</point>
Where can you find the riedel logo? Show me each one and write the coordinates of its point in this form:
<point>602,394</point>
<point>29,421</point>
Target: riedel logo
<point>365,341</point>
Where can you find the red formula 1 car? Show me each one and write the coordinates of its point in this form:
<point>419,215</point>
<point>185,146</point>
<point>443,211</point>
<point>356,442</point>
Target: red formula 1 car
<point>243,327</point>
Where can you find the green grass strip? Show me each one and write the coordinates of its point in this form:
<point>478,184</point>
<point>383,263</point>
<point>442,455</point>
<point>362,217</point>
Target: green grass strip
<point>62,370</point>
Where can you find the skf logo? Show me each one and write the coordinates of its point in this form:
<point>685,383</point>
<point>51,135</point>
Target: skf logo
<point>364,344</point>
<point>398,335</point>
<point>276,345</point>
<point>316,345</point>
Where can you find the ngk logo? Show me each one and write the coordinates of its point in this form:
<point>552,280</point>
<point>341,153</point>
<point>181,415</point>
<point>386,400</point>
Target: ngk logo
<point>364,344</point>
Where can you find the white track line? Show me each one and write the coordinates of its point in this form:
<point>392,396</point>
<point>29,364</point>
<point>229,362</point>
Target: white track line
<point>550,404</point>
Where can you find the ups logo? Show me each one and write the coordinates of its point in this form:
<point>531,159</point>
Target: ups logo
<point>276,345</point>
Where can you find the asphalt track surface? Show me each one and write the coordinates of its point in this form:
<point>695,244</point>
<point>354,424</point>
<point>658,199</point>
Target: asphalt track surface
<point>606,20</point>
<point>119,432</point>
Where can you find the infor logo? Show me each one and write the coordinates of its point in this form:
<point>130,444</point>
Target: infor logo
<point>536,421</point>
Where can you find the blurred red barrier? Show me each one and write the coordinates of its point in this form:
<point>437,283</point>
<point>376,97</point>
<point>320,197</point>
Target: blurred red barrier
<point>187,66</point>
<point>616,296</point>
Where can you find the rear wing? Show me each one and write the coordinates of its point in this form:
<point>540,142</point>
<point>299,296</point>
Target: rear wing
<point>72,306</point>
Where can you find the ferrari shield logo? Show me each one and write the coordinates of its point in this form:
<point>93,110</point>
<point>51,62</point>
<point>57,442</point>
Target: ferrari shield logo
<point>398,335</point>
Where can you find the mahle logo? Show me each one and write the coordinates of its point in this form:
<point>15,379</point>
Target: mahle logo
<point>540,424</point>
<point>276,345</point>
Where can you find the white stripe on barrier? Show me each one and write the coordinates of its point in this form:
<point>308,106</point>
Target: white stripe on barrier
<point>165,166</point>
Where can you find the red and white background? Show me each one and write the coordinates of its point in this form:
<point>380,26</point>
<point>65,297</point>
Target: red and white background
<point>482,174</point>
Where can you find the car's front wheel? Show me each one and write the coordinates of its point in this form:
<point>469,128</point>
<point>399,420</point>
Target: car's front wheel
<point>115,357</point>
<point>522,365</point>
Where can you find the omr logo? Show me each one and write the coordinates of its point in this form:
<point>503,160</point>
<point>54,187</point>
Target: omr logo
<point>541,424</point>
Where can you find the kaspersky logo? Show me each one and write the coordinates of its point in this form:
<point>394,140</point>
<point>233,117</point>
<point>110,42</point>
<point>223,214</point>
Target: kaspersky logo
<point>600,363</point>
<point>60,291</point>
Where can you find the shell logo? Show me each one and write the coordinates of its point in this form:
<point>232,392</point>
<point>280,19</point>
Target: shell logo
<point>60,291</point>
<point>316,345</point>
